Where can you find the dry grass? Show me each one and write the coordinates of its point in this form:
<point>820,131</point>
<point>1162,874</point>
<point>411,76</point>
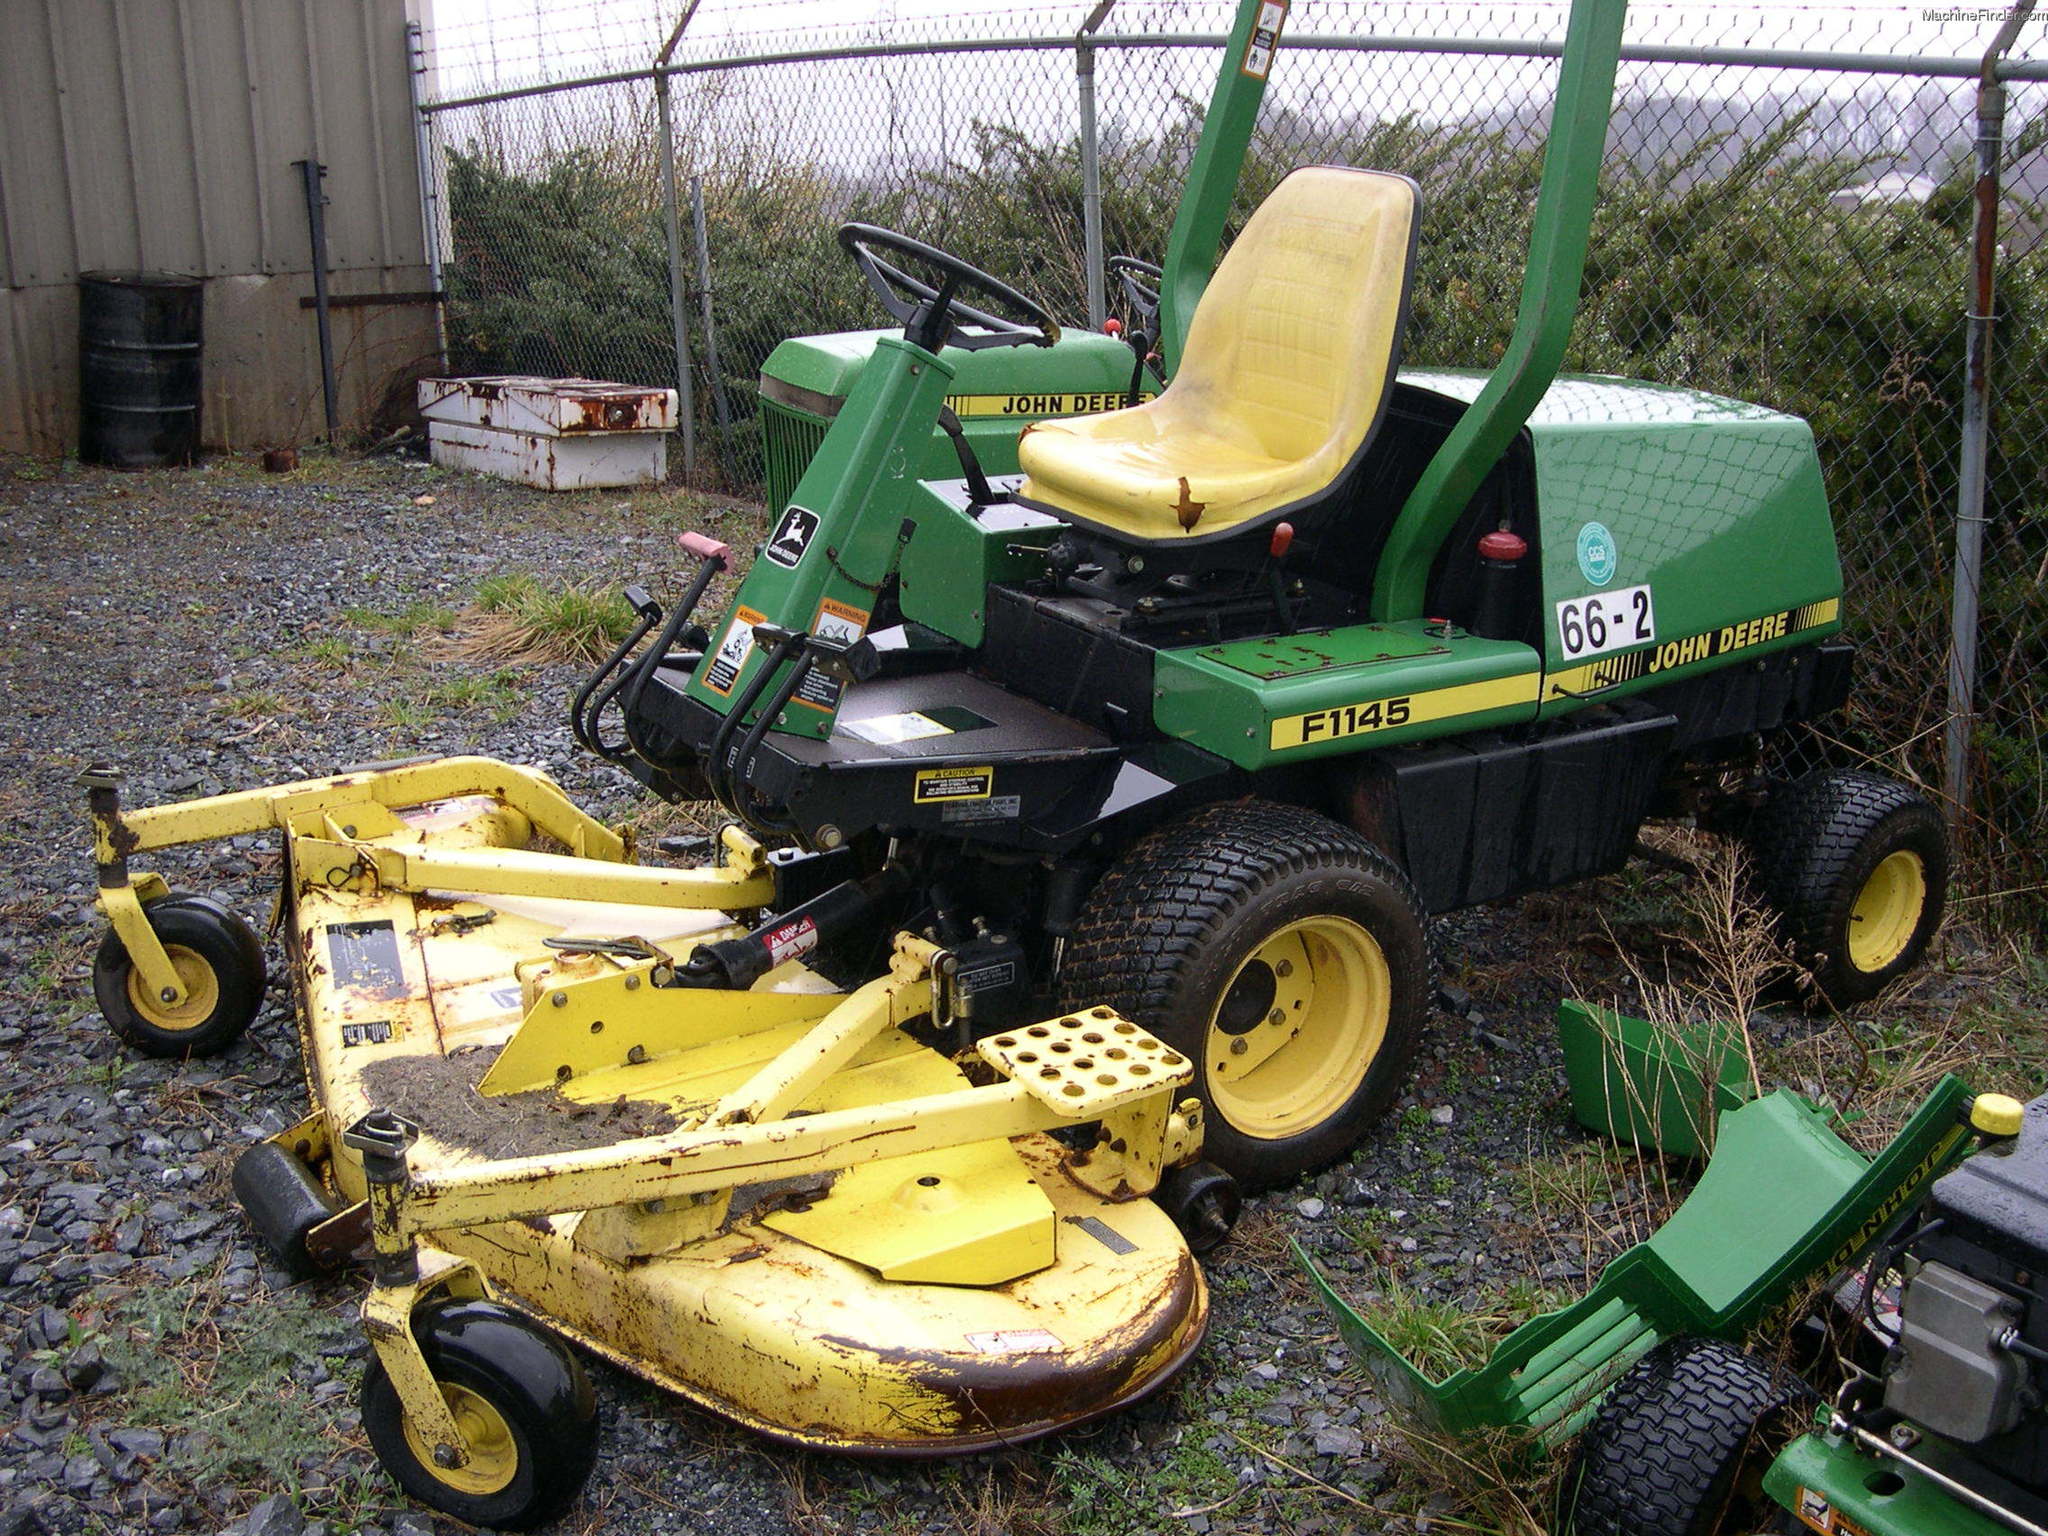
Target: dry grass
<point>518,618</point>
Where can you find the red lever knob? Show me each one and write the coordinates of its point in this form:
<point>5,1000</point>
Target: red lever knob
<point>1283,535</point>
<point>1503,546</point>
<point>1112,326</point>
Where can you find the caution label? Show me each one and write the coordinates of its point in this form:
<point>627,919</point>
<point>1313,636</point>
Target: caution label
<point>839,623</point>
<point>935,784</point>
<point>1258,54</point>
<point>1055,404</point>
<point>1818,1514</point>
<point>791,939</point>
<point>730,659</point>
<point>1368,715</point>
<point>1691,648</point>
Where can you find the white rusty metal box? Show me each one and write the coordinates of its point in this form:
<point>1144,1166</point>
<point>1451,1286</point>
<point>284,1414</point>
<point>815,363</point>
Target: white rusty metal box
<point>558,434</point>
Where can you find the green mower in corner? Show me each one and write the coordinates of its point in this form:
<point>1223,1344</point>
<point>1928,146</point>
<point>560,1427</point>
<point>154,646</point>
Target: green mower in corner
<point>1938,1427</point>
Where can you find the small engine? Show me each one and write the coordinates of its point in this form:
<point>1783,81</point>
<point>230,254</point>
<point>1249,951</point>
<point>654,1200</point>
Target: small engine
<point>1970,1363</point>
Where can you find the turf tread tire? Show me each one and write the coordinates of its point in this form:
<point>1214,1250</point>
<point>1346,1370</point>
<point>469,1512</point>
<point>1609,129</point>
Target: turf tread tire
<point>1157,910</point>
<point>1812,847</point>
<point>1663,1455</point>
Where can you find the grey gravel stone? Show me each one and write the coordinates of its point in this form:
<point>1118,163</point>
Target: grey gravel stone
<point>275,1516</point>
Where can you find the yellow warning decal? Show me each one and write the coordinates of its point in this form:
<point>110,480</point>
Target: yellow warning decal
<point>1817,1514</point>
<point>1058,403</point>
<point>1626,668</point>
<point>730,659</point>
<point>1369,715</point>
<point>839,623</point>
<point>953,784</point>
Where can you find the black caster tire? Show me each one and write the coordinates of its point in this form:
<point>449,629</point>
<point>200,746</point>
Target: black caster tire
<point>1679,1446</point>
<point>284,1201</point>
<point>1203,1201</point>
<point>524,1405</point>
<point>1855,866</point>
<point>1282,953</point>
<point>219,961</point>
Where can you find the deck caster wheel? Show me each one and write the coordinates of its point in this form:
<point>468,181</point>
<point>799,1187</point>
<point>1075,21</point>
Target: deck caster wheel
<point>1203,1201</point>
<point>219,961</point>
<point>1680,1445</point>
<point>525,1408</point>
<point>1282,953</point>
<point>285,1201</point>
<point>1856,868</point>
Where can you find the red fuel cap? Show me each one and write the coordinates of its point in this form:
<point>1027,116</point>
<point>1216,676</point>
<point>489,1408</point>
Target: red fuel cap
<point>1503,546</point>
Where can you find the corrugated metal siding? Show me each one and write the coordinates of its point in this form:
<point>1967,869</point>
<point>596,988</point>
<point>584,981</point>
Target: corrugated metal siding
<point>161,134</point>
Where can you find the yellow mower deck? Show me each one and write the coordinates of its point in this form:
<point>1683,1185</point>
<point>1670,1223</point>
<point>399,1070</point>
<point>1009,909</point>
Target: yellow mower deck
<point>779,1203</point>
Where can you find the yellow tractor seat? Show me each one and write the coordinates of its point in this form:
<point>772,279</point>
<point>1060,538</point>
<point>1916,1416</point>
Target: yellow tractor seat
<point>1281,383</point>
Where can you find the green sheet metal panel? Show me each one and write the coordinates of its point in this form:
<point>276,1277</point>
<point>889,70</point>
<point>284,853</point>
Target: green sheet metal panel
<point>1260,702</point>
<point>955,554</point>
<point>832,550</point>
<point>1828,1484</point>
<point>1718,1272</point>
<point>1712,508</point>
<point>996,393</point>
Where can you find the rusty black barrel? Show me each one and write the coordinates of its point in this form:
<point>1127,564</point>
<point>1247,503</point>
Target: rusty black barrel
<point>138,368</point>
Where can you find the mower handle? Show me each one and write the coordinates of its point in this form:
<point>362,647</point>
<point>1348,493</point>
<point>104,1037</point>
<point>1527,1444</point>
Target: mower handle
<point>934,316</point>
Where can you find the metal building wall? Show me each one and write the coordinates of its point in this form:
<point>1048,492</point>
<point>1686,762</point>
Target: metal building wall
<point>160,135</point>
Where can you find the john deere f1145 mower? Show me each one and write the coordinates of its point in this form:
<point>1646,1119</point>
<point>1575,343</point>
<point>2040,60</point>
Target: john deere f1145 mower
<point>1085,822</point>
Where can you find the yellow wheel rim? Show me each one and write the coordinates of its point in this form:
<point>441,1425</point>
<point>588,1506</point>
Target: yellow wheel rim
<point>493,1453</point>
<point>1298,1027</point>
<point>1887,911</point>
<point>202,992</point>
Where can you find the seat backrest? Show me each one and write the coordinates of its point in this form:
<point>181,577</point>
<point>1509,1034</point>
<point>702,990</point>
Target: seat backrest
<point>1293,346</point>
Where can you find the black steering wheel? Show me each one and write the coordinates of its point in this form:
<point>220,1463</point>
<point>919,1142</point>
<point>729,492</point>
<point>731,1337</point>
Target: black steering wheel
<point>1141,291</point>
<point>932,312</point>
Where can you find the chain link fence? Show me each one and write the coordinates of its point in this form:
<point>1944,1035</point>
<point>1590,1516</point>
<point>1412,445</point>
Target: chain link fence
<point>1796,236</point>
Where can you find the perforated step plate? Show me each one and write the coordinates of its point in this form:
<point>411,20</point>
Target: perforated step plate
<point>1087,1064</point>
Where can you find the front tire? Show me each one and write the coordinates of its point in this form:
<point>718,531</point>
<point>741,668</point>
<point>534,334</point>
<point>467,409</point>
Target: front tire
<point>1856,868</point>
<point>1284,955</point>
<point>219,961</point>
<point>524,1406</point>
<point>1679,1446</point>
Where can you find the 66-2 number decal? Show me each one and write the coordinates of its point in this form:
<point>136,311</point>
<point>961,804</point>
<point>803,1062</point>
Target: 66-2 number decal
<point>1605,621</point>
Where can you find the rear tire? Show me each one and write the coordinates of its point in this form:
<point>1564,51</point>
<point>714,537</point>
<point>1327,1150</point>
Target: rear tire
<point>1856,868</point>
<point>1679,1446</point>
<point>1284,955</point>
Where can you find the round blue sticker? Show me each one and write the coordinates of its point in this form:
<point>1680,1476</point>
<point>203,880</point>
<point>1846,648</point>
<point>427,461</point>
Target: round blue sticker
<point>1597,554</point>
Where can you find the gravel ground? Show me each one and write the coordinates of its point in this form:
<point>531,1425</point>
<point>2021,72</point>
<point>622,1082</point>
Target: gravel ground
<point>219,628</point>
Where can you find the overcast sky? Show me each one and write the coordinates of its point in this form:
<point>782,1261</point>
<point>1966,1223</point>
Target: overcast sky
<point>484,44</point>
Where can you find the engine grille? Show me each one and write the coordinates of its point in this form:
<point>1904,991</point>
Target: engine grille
<point>789,440</point>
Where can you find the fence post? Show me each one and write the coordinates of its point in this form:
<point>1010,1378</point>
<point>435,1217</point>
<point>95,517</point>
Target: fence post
<point>1091,164</point>
<point>678,312</point>
<point>714,379</point>
<point>1962,656</point>
<point>430,186</point>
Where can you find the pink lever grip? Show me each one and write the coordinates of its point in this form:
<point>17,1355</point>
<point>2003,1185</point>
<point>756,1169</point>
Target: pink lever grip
<point>704,548</point>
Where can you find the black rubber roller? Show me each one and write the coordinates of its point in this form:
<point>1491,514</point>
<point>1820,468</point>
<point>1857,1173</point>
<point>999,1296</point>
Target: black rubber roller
<point>285,1200</point>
